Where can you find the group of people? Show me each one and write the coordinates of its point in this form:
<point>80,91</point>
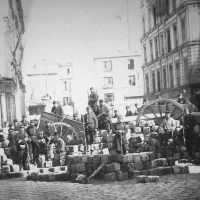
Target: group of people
<point>27,142</point>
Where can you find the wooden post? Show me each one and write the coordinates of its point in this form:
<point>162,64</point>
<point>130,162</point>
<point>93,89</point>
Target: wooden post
<point>82,117</point>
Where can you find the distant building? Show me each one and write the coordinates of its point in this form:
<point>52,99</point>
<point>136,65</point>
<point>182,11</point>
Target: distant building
<point>12,89</point>
<point>171,48</point>
<point>49,82</point>
<point>119,78</point>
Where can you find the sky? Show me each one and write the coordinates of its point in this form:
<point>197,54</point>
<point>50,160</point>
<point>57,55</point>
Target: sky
<point>76,30</point>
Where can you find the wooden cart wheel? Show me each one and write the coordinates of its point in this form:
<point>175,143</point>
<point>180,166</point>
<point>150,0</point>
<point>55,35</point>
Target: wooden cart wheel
<point>155,110</point>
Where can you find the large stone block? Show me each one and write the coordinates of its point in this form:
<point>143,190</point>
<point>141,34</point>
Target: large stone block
<point>70,159</point>
<point>133,174</point>
<point>96,159</point>
<point>168,170</point>
<point>136,157</point>
<point>153,179</point>
<point>170,161</point>
<point>82,167</point>
<point>110,177</point>
<point>84,158</point>
<point>54,169</point>
<point>138,166</point>
<point>130,158</point>
<point>154,164</point>
<point>120,176</point>
<point>141,179</point>
<point>105,158</point>
<point>184,169</point>
<point>14,168</point>
<point>48,164</point>
<point>108,168</point>
<point>119,158</point>
<point>113,158</point>
<point>65,177</point>
<point>43,170</point>
<point>89,167</point>
<point>161,171</point>
<point>144,157</point>
<point>147,165</point>
<point>90,159</point>
<point>151,155</point>
<point>124,167</point>
<point>116,166</point>
<point>125,175</point>
<point>5,169</point>
<point>125,158</point>
<point>176,169</point>
<point>131,167</point>
<point>105,151</point>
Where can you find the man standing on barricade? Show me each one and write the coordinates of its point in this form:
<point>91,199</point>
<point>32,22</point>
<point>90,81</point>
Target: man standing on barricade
<point>120,140</point>
<point>24,121</point>
<point>103,117</point>
<point>91,125</point>
<point>93,99</point>
<point>57,109</point>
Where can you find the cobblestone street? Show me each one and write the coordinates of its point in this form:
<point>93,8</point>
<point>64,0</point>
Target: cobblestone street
<point>170,187</point>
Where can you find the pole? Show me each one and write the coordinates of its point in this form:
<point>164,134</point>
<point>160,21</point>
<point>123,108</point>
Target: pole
<point>128,24</point>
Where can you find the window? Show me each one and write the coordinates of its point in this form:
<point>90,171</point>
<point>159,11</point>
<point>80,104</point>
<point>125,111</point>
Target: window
<point>65,86</point>
<point>171,76</point>
<point>151,49</point>
<point>154,82</point>
<point>154,15</point>
<point>175,36</point>
<point>162,44</point>
<point>168,38</point>
<point>145,54</point>
<point>108,81</point>
<point>164,78</point>
<point>107,66</point>
<point>178,77</point>
<point>156,46</point>
<point>173,5</point>
<point>167,7</point>
<point>147,83</point>
<point>132,80</point>
<point>143,23</point>
<point>158,80</point>
<point>108,97</point>
<point>131,64</point>
<point>183,29</point>
<point>185,70</point>
<point>68,72</point>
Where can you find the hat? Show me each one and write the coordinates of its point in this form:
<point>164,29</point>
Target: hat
<point>75,115</point>
<point>54,102</point>
<point>23,116</point>
<point>35,119</point>
<point>167,111</point>
<point>32,121</point>
<point>92,88</point>
<point>15,120</point>
<point>21,126</point>
<point>46,121</point>
<point>101,101</point>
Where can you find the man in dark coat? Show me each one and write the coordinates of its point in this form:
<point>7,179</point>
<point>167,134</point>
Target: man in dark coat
<point>57,110</point>
<point>181,99</point>
<point>93,99</point>
<point>103,117</point>
<point>120,140</point>
<point>24,121</point>
<point>91,125</point>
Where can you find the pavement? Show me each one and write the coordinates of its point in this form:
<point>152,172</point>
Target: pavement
<point>180,186</point>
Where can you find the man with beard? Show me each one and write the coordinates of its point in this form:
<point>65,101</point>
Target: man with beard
<point>93,99</point>
<point>103,117</point>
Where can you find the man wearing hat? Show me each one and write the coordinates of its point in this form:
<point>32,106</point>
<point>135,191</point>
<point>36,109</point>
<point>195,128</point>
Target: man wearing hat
<point>93,99</point>
<point>181,99</point>
<point>24,121</point>
<point>48,131</point>
<point>15,125</point>
<point>116,114</point>
<point>22,141</point>
<point>129,112</point>
<point>91,125</point>
<point>34,145</point>
<point>56,109</point>
<point>168,126</point>
<point>120,140</point>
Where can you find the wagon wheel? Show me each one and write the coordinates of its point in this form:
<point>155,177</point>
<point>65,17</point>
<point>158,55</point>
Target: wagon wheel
<point>64,129</point>
<point>155,110</point>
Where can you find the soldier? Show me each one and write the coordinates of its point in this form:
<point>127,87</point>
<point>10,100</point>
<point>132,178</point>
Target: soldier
<point>22,141</point>
<point>116,114</point>
<point>129,112</point>
<point>48,131</point>
<point>93,99</point>
<point>181,100</point>
<point>16,125</point>
<point>91,125</point>
<point>58,143</point>
<point>120,140</point>
<point>57,109</point>
<point>103,117</point>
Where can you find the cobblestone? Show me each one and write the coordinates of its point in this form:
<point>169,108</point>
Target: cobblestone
<point>180,186</point>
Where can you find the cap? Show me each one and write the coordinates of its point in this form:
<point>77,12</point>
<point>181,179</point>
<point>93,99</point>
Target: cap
<point>32,121</point>
<point>54,102</point>
<point>75,115</point>
<point>15,120</point>
<point>46,121</point>
<point>92,88</point>
<point>21,126</point>
<point>167,111</point>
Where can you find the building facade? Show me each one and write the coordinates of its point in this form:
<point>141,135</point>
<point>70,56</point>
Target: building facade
<point>171,48</point>
<point>119,79</point>
<point>49,82</point>
<point>12,89</point>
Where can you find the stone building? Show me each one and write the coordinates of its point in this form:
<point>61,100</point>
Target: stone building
<point>12,89</point>
<point>119,79</point>
<point>171,48</point>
